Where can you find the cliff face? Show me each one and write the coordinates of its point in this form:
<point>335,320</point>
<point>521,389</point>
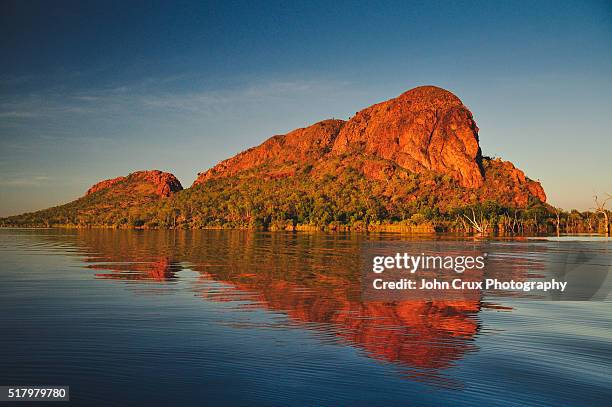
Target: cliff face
<point>424,130</point>
<point>155,182</point>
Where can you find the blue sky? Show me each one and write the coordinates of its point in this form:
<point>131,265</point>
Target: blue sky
<point>94,90</point>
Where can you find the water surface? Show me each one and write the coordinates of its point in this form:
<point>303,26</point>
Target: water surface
<point>248,318</point>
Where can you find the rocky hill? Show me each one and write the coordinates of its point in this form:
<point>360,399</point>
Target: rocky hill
<point>413,160</point>
<point>107,201</point>
<point>424,130</point>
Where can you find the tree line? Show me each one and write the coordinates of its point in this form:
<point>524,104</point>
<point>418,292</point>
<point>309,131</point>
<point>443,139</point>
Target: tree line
<point>330,202</point>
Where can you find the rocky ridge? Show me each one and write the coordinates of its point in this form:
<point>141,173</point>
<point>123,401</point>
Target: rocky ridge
<point>424,130</point>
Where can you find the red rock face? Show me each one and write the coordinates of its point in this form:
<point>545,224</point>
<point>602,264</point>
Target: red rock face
<point>426,128</point>
<point>534,188</point>
<point>157,182</point>
<point>298,146</point>
<point>104,184</point>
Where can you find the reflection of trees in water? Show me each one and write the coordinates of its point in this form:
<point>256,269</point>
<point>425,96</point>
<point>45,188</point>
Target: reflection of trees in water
<point>312,278</point>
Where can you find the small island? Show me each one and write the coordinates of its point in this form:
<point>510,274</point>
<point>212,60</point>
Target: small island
<point>412,163</point>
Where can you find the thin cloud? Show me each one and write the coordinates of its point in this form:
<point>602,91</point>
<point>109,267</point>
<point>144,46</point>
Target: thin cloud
<point>144,96</point>
<point>25,181</point>
<point>17,115</point>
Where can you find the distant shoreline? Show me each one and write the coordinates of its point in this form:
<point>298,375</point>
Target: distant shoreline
<point>394,229</point>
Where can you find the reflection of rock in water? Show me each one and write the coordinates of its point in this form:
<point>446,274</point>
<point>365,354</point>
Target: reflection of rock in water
<point>161,270</point>
<point>313,279</point>
<point>424,336</point>
<point>129,256</point>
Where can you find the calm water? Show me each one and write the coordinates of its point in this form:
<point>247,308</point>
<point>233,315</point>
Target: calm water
<point>241,318</point>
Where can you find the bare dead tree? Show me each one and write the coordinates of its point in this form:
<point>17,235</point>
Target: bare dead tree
<point>600,207</point>
<point>481,224</point>
<point>589,221</point>
<point>515,223</point>
<point>558,221</point>
<point>463,223</point>
<point>505,222</point>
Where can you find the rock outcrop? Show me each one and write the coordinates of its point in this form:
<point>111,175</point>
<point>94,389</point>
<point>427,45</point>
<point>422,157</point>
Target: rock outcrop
<point>504,177</point>
<point>155,182</point>
<point>424,130</point>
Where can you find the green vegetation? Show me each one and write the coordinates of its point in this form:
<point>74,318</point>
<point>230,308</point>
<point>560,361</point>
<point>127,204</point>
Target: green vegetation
<point>404,201</point>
